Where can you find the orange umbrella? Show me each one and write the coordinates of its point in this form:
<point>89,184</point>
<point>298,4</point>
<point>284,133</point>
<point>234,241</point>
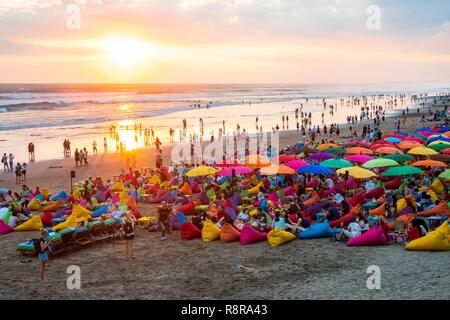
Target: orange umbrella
<point>254,161</point>
<point>381,145</point>
<point>388,150</point>
<point>276,169</point>
<point>358,150</point>
<point>327,145</point>
<point>429,163</point>
<point>409,144</point>
<point>447,134</point>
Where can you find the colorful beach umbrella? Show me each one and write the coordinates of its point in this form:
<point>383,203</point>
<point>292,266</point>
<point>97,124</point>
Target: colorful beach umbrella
<point>439,146</point>
<point>356,143</point>
<point>380,163</point>
<point>388,150</point>
<point>393,135</point>
<point>254,161</point>
<point>422,151</point>
<point>409,144</point>
<point>334,150</point>
<point>358,150</point>
<point>401,171</point>
<point>421,136</point>
<point>393,139</point>
<point>414,138</point>
<point>336,163</point>
<point>429,163</point>
<point>357,172</point>
<point>404,134</point>
<point>315,169</point>
<point>201,171</point>
<point>304,150</point>
<point>327,145</point>
<point>399,157</point>
<point>283,158</point>
<point>320,156</point>
<point>438,138</point>
<point>227,172</point>
<point>296,164</point>
<point>359,158</point>
<point>445,151</point>
<point>445,174</point>
<point>440,157</point>
<point>276,169</point>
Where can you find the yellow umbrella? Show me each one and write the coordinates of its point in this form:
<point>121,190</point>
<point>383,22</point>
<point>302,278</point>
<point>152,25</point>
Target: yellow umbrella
<point>276,169</point>
<point>327,145</point>
<point>254,161</point>
<point>422,151</point>
<point>357,172</point>
<point>201,171</point>
<point>438,142</point>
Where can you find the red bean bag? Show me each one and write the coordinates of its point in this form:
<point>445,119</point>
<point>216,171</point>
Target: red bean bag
<point>46,219</point>
<point>440,210</point>
<point>315,197</point>
<point>379,211</point>
<point>373,237</point>
<point>293,218</point>
<point>160,193</point>
<point>5,228</point>
<point>250,235</point>
<point>393,184</point>
<point>228,233</point>
<point>188,231</point>
<point>188,209</point>
<point>357,199</point>
<point>344,219</point>
<point>375,193</point>
<point>312,184</point>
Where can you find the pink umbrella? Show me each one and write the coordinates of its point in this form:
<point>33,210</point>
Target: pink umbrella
<point>359,158</point>
<point>296,164</point>
<point>413,138</point>
<point>237,170</point>
<point>446,151</point>
<point>283,158</point>
<point>425,133</point>
<point>357,143</point>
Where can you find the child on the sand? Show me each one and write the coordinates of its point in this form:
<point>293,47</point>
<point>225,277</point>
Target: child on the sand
<point>43,255</point>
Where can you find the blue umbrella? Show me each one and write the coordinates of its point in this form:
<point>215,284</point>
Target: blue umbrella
<point>424,129</point>
<point>444,129</point>
<point>393,139</point>
<point>402,133</point>
<point>315,169</point>
<point>443,138</point>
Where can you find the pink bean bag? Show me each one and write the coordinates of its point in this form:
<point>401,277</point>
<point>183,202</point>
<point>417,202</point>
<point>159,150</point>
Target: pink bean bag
<point>176,224</point>
<point>293,218</point>
<point>250,235</point>
<point>344,219</point>
<point>357,199</point>
<point>4,228</point>
<point>373,237</point>
<point>195,187</point>
<point>115,198</point>
<point>312,184</point>
<point>289,191</point>
<point>188,209</point>
<point>188,231</point>
<point>273,196</point>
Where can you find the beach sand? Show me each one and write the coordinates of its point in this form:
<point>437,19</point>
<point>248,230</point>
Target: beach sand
<point>175,269</point>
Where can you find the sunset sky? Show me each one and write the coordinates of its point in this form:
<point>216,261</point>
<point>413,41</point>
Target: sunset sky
<point>224,41</point>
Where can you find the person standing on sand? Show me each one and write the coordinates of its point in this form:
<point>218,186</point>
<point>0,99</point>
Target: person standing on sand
<point>31,151</point>
<point>5,162</point>
<point>105,145</point>
<point>164,220</point>
<point>77,157</point>
<point>85,156</point>
<point>42,254</point>
<point>128,231</point>
<point>157,143</point>
<point>159,159</point>
<point>11,162</point>
<point>94,147</point>
<point>24,171</point>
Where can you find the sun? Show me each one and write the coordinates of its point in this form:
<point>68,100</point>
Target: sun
<point>127,52</point>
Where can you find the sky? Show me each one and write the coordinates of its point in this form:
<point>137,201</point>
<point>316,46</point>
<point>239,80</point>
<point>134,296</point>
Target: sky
<point>224,41</point>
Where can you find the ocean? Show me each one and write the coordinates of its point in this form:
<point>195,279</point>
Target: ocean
<point>46,114</point>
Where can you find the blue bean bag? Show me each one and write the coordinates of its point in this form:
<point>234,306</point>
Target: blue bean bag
<point>62,195</point>
<point>222,179</point>
<point>99,211</point>
<point>181,217</point>
<point>318,230</point>
<point>40,197</point>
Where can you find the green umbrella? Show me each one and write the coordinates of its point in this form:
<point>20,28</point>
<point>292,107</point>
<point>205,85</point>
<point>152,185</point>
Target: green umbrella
<point>336,163</point>
<point>401,171</point>
<point>439,146</point>
<point>399,157</point>
<point>333,150</point>
<point>445,174</point>
<point>421,136</point>
<point>380,163</point>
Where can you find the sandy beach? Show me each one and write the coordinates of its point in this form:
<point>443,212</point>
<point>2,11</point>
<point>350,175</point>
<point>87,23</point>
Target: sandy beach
<point>174,269</point>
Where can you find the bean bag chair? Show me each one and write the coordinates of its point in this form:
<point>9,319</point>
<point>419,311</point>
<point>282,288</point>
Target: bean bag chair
<point>231,213</point>
<point>439,210</point>
<point>255,189</point>
<point>228,233</point>
<point>318,230</point>
<point>168,196</point>
<point>406,219</point>
<point>246,181</point>
<point>62,195</point>
<point>224,185</point>
<point>373,237</point>
<point>186,189</point>
<point>59,213</point>
<point>44,193</point>
<point>433,241</point>
<point>437,186</point>
<point>154,180</point>
<point>187,209</point>
<point>210,232</point>
<point>99,211</point>
<point>3,213</point>
<point>47,218</point>
<point>358,199</point>
<point>188,231</point>
<point>375,193</point>
<point>345,219</point>
<point>314,209</point>
<point>5,228</point>
<point>40,197</point>
<point>134,195</point>
<point>79,211</point>
<point>181,218</point>
<point>356,210</point>
<point>100,196</point>
<point>174,222</point>
<point>195,187</point>
<point>153,189</point>
<point>131,203</point>
<point>314,183</point>
<point>203,197</point>
<point>289,191</point>
<point>379,211</point>
<point>115,198</point>
<point>249,235</point>
<point>393,184</point>
<point>314,198</point>
<point>118,187</point>
<point>53,206</point>
<point>35,205</point>
<point>293,218</point>
<point>32,224</point>
<point>277,237</point>
<point>433,195</point>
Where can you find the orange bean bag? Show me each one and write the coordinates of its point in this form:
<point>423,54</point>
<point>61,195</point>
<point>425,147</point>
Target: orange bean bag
<point>440,210</point>
<point>186,189</point>
<point>315,197</point>
<point>131,203</point>
<point>228,233</point>
<point>356,209</point>
<point>379,211</point>
<point>247,181</point>
<point>53,206</point>
<point>406,218</point>
<point>212,212</point>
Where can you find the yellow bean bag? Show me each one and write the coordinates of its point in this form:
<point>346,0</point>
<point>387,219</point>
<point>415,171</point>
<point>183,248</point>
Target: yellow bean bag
<point>433,241</point>
<point>437,186</point>
<point>433,195</point>
<point>186,189</point>
<point>123,196</point>
<point>118,187</point>
<point>154,180</point>
<point>79,213</point>
<point>35,205</point>
<point>76,195</point>
<point>253,213</point>
<point>210,232</point>
<point>147,219</point>
<point>401,204</point>
<point>255,189</point>
<point>44,193</point>
<point>277,237</point>
<point>32,224</point>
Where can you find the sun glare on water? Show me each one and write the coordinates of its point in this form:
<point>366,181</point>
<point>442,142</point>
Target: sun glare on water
<point>127,52</point>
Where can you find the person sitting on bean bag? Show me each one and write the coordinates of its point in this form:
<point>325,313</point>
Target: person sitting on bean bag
<point>279,221</point>
<point>241,220</point>
<point>354,228</point>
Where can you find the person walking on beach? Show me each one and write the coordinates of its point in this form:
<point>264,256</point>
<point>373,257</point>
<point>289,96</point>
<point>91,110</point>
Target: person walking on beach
<point>157,143</point>
<point>164,220</point>
<point>77,157</point>
<point>31,151</point>
<point>94,147</point>
<point>42,249</point>
<point>24,171</point>
<point>105,145</point>
<point>85,156</point>
<point>159,159</point>
<point>11,162</point>
<point>128,231</point>
<point>18,173</point>
<point>5,162</point>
